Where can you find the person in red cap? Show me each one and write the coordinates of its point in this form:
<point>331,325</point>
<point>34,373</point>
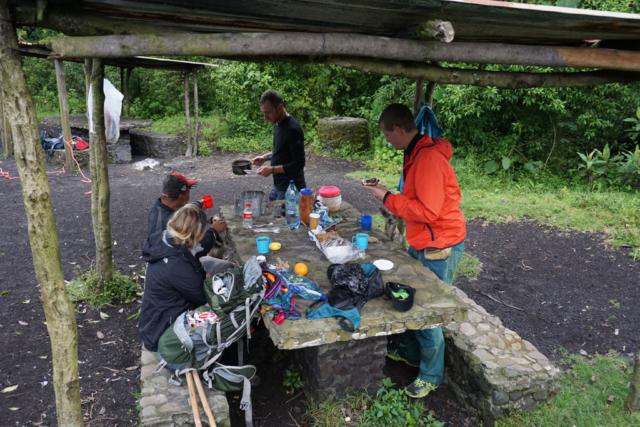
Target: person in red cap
<point>175,194</point>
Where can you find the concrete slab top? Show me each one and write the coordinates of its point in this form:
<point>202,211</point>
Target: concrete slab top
<point>435,304</point>
<point>80,121</point>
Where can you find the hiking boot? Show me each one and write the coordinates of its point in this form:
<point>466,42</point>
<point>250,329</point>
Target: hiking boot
<point>419,389</point>
<point>396,356</point>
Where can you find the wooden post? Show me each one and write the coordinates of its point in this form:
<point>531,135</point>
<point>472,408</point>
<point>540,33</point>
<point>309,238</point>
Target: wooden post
<point>43,234</point>
<point>128,80</point>
<point>428,94</point>
<point>417,97</point>
<point>121,79</point>
<point>195,113</point>
<point>100,191</point>
<point>64,114</point>
<point>189,151</point>
<point>632,401</point>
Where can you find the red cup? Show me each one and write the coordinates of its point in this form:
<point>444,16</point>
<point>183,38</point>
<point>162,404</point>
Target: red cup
<point>207,202</point>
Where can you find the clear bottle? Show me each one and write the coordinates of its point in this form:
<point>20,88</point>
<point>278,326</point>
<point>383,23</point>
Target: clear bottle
<point>302,286</point>
<point>292,216</point>
<point>247,216</point>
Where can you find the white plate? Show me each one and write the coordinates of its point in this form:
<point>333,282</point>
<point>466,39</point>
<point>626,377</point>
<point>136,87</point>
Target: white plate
<point>383,264</point>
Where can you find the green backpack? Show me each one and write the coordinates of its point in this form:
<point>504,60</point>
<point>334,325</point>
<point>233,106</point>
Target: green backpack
<point>197,338</point>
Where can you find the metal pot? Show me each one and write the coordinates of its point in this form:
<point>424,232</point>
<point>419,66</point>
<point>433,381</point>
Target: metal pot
<point>253,197</point>
<point>239,166</point>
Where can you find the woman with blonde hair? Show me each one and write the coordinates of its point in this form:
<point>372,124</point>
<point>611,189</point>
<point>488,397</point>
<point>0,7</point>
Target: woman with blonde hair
<point>175,275</point>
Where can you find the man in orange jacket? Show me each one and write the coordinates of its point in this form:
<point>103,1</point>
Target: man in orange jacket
<point>435,226</point>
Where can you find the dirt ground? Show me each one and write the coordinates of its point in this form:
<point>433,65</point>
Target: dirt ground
<point>569,289</point>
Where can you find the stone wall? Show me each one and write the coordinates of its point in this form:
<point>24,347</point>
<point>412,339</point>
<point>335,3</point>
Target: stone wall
<point>165,405</point>
<point>335,133</point>
<point>491,369</point>
<point>145,143</point>
<point>328,370</point>
<point>82,157</point>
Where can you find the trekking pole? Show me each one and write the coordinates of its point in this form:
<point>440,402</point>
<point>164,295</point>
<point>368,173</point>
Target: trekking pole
<point>193,399</point>
<point>203,399</point>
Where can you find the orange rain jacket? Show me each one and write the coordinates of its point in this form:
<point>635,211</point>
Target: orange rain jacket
<point>430,199</point>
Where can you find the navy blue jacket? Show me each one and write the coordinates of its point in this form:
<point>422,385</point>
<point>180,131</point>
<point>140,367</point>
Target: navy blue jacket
<point>173,285</point>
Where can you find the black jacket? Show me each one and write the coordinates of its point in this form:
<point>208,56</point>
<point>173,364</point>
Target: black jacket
<point>159,216</point>
<point>173,285</point>
<point>288,152</point>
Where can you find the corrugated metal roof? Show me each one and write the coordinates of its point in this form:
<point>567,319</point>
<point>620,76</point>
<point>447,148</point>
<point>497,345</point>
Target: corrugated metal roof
<point>473,20</point>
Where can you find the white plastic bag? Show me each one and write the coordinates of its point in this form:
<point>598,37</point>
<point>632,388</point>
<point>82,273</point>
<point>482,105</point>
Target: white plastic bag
<point>112,110</point>
<point>339,250</point>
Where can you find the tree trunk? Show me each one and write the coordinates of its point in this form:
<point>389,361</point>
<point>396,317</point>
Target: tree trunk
<point>127,89</point>
<point>7,143</point>
<point>417,97</point>
<point>428,95</point>
<point>633,398</point>
<point>187,132</point>
<point>100,192</point>
<point>64,115</point>
<point>43,234</point>
<point>195,113</point>
<point>334,44</point>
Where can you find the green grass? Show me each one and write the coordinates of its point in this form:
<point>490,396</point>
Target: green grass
<point>583,402</point>
<point>469,267</point>
<point>121,289</point>
<point>613,216</point>
<point>389,407</point>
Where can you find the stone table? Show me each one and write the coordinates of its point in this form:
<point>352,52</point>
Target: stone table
<point>331,358</point>
<point>120,152</point>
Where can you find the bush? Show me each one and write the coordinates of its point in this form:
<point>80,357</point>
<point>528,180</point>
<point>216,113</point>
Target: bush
<point>85,288</point>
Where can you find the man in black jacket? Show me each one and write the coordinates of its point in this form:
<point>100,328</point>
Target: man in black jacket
<point>175,194</point>
<point>287,158</point>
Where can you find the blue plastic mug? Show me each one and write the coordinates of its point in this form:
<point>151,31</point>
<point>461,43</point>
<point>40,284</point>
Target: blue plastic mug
<point>361,240</point>
<point>365,221</point>
<point>263,244</point>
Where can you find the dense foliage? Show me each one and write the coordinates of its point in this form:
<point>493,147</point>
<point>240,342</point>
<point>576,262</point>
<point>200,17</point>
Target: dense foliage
<point>509,131</point>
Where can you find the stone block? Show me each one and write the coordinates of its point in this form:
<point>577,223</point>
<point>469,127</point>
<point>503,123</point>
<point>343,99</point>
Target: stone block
<point>515,396</point>
<point>148,357</point>
<point>500,398</point>
<point>145,143</point>
<point>337,133</point>
<point>157,399</point>
<point>147,372</point>
<point>82,157</point>
<point>171,407</point>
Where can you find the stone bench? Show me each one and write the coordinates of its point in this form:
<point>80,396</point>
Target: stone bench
<point>164,405</point>
<point>82,157</point>
<point>145,143</point>
<point>491,369</point>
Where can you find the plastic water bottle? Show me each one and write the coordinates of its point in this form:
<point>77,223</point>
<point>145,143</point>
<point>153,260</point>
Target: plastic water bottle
<point>292,216</point>
<point>308,293</point>
<point>305,288</point>
<point>247,216</point>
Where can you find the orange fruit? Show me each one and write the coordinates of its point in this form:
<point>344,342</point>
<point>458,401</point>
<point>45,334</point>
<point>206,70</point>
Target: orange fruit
<point>301,269</point>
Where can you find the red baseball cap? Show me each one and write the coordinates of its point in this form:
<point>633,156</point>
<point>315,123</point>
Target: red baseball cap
<point>175,184</point>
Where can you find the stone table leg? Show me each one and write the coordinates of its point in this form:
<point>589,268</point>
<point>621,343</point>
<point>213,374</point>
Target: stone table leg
<point>328,370</point>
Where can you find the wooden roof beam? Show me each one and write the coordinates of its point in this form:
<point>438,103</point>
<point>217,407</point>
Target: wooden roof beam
<point>331,44</point>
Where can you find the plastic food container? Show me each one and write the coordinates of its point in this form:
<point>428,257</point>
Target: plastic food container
<point>330,197</point>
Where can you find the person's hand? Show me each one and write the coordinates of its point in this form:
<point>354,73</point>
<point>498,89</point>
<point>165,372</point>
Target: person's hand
<point>378,191</point>
<point>259,161</point>
<point>264,171</point>
<point>219,226</point>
